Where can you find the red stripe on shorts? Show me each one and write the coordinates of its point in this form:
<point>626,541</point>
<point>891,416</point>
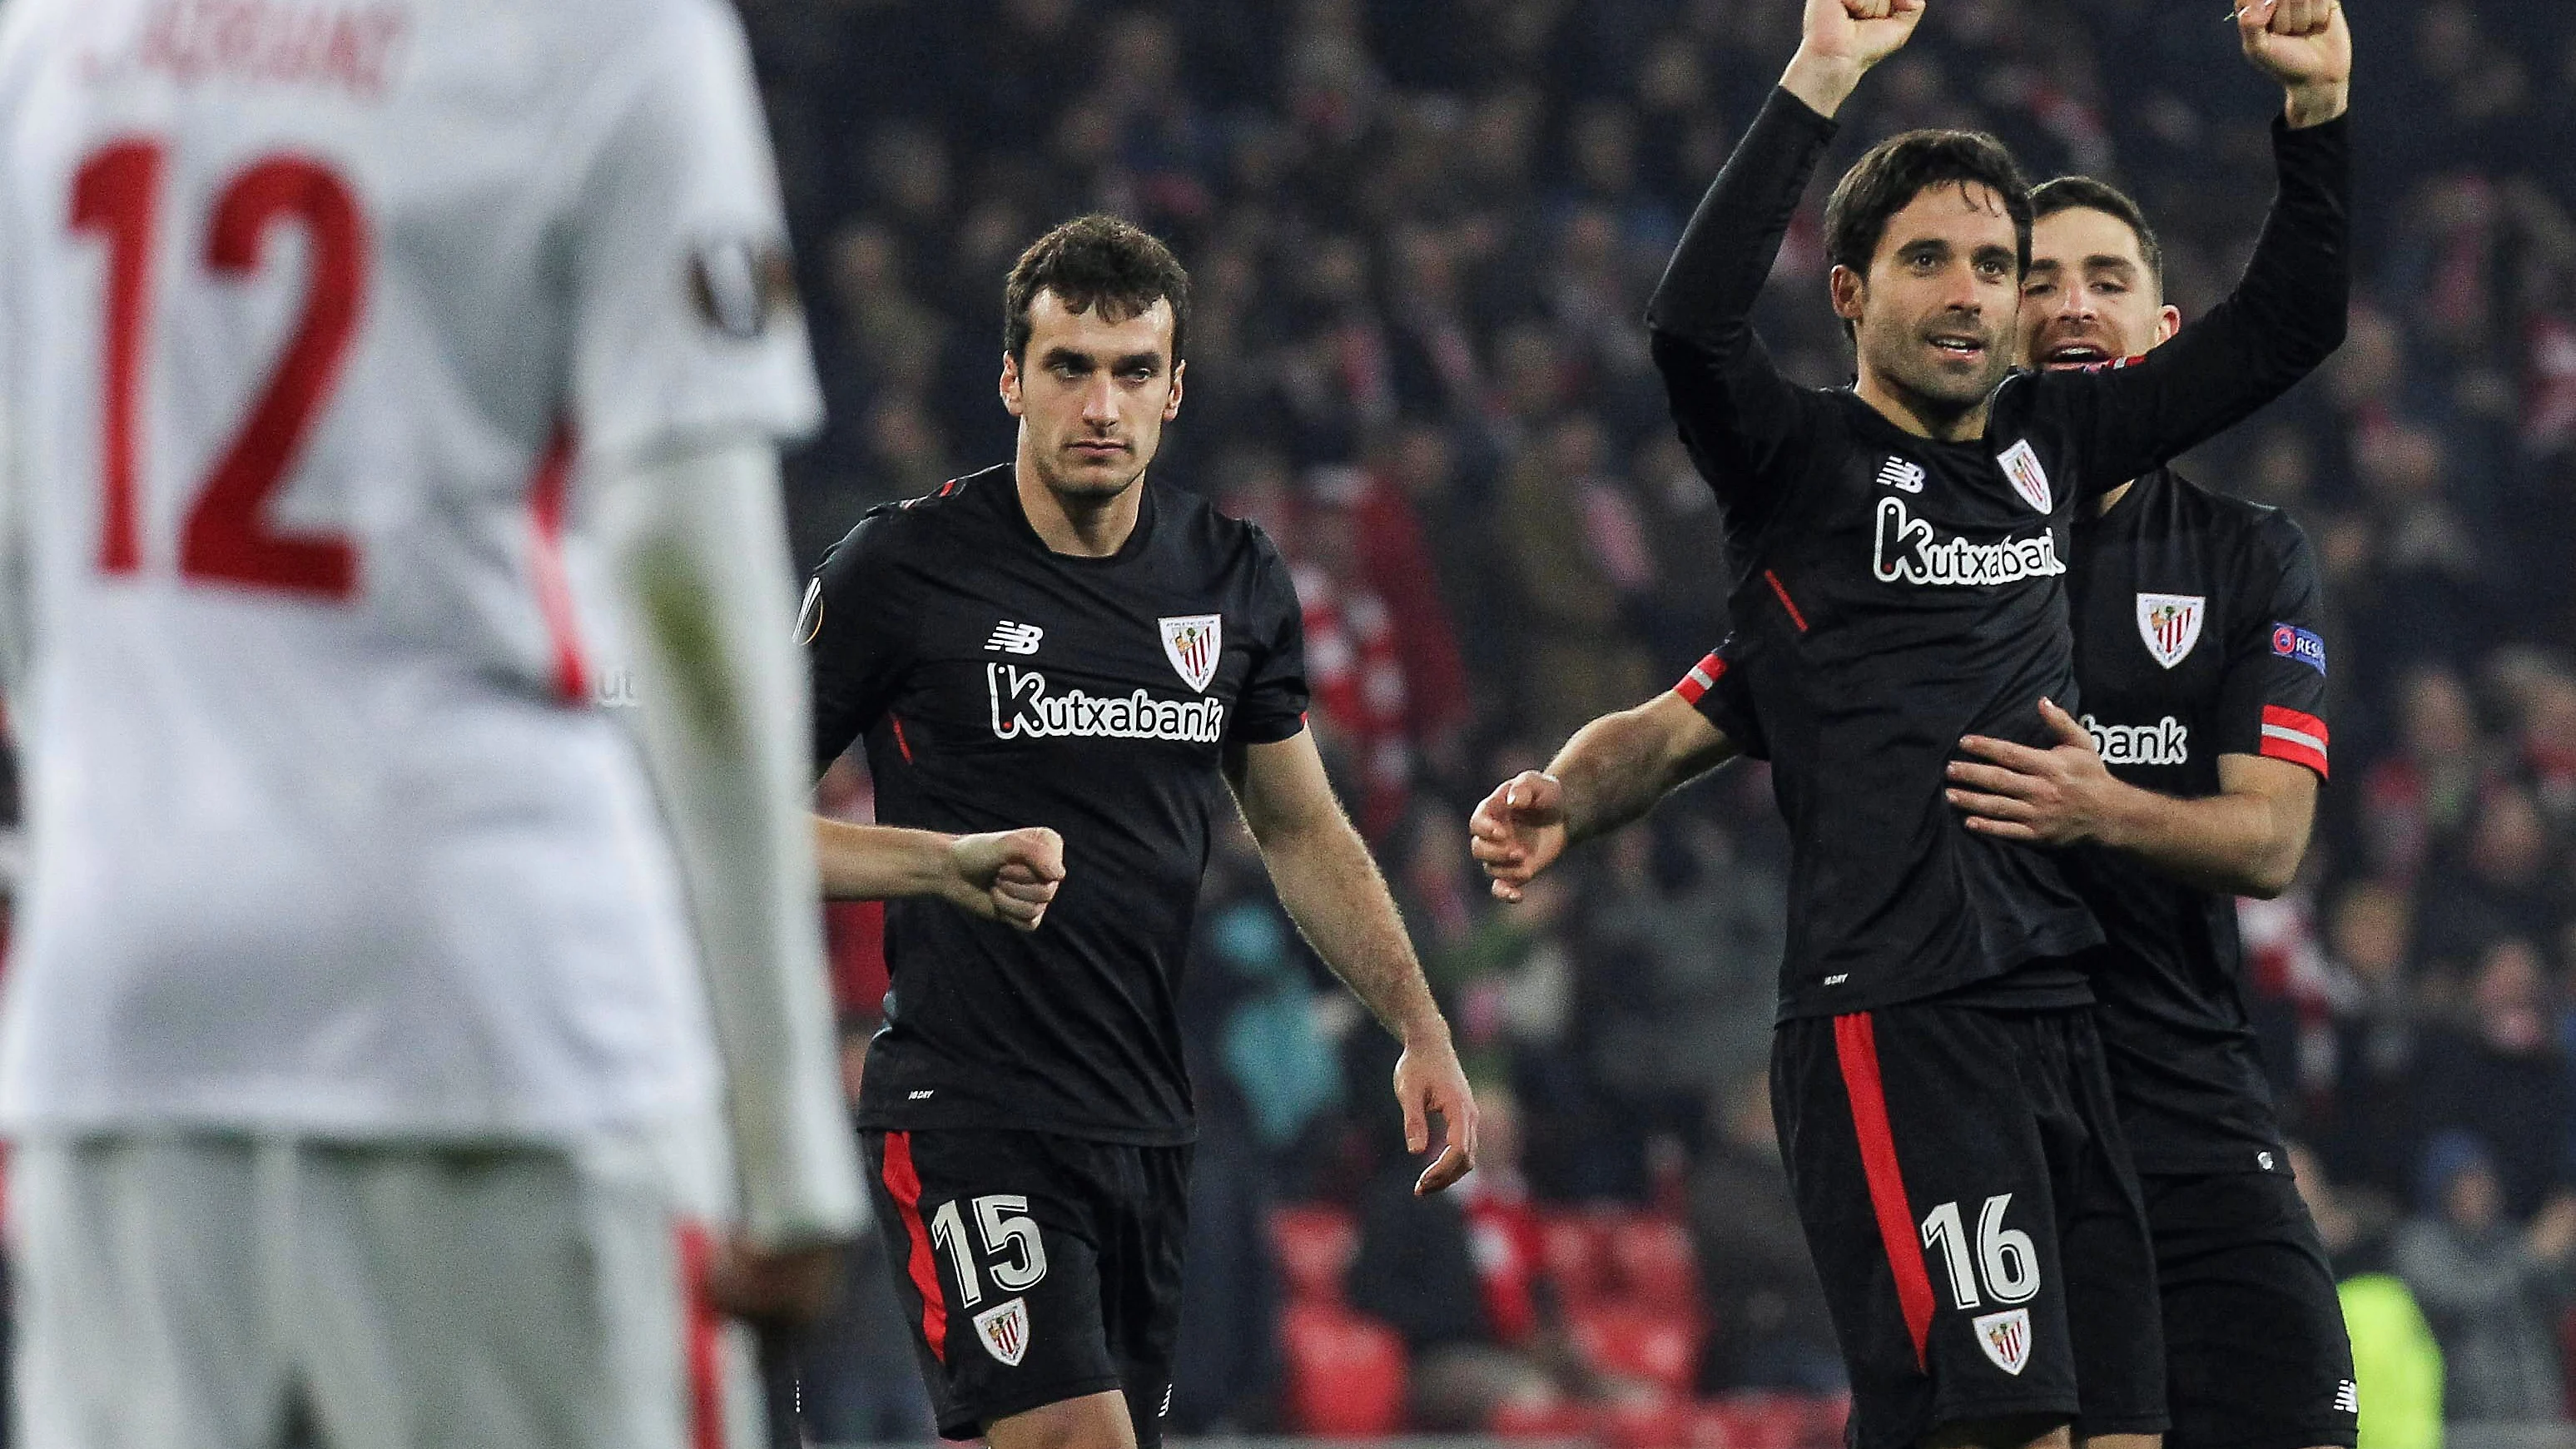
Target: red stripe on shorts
<point>705,1339</point>
<point>546,501</point>
<point>905,1184</point>
<point>1856,1047</point>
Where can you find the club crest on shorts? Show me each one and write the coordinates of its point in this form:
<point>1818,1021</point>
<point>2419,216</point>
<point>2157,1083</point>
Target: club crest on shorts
<point>2170,623</point>
<point>1004,1331</point>
<point>1192,642</point>
<point>2004,1336</point>
<point>2021,464</point>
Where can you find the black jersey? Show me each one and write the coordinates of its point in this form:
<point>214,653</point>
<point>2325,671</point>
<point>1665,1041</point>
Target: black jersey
<point>999,684</point>
<point>2196,636</point>
<point>1896,593</point>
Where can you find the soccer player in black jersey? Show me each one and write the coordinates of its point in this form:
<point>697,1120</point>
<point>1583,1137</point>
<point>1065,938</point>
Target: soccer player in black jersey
<point>2191,778</point>
<point>1058,641</point>
<point>1943,1101</point>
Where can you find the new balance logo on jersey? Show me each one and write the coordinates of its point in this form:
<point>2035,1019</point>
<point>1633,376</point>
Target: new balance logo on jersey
<point>1901,475</point>
<point>1910,552</point>
<point>2347,1397</point>
<point>2166,742</point>
<point>1010,638</point>
<point>1023,710</point>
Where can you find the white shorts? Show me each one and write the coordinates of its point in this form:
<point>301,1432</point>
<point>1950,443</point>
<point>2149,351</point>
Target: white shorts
<point>204,1291</point>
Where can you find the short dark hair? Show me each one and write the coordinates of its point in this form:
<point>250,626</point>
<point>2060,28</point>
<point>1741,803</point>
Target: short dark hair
<point>1900,168</point>
<point>2071,193</point>
<point>1096,261</point>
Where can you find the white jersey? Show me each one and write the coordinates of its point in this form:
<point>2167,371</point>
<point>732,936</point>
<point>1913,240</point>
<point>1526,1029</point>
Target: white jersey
<point>319,322</point>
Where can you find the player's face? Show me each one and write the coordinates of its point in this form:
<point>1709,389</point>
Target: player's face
<point>1934,316</point>
<point>2089,296</point>
<point>1093,396</point>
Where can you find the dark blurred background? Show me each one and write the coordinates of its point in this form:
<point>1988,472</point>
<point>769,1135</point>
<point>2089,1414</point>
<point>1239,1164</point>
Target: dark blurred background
<point>1422,233</point>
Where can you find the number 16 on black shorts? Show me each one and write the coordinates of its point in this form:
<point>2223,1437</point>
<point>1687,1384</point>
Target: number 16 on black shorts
<point>1034,1268</point>
<point>1969,1203</point>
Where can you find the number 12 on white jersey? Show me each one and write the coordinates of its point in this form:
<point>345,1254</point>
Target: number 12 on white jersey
<point>118,196</point>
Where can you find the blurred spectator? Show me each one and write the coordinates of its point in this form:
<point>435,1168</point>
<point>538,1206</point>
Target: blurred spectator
<point>2396,1363</point>
<point>2419,799</point>
<point>1770,1327</point>
<point>2504,1075</point>
<point>2492,1289</point>
<point>1462,1278</point>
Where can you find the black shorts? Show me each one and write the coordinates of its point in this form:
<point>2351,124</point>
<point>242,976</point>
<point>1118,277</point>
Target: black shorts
<point>1034,1268</point>
<point>1969,1203</point>
<point>2254,1335</point>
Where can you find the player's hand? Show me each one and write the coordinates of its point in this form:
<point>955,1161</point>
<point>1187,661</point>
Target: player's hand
<point>775,1288</point>
<point>1430,1083</point>
<point>2306,46</point>
<point>1860,33</point>
<point>1839,40</point>
<point>1518,831</point>
<point>2056,796</point>
<point>1009,876</point>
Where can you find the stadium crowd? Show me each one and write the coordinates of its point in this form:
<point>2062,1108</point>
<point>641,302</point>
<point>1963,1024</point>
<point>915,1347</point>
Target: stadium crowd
<point>1421,234</point>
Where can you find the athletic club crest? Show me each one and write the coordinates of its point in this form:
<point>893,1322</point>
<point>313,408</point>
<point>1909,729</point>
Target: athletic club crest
<point>1004,1331</point>
<point>2021,464</point>
<point>2004,1336</point>
<point>1192,642</point>
<point>2170,623</point>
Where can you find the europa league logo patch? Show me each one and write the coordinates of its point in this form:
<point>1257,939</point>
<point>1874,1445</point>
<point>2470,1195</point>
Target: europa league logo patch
<point>740,285</point>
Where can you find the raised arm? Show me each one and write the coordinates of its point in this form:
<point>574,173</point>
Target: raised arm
<point>1333,891</point>
<point>1737,415</point>
<point>2287,313</point>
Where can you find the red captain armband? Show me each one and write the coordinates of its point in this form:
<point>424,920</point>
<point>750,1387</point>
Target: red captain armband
<point>1702,678</point>
<point>2295,737</point>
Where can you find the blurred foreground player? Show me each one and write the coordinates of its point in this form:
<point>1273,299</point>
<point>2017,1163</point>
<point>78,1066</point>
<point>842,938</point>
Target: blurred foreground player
<point>1059,639</point>
<point>2191,779</point>
<point>366,373</point>
<point>1945,1109</point>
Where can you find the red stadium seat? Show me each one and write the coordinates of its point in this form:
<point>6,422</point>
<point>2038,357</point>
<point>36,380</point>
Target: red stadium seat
<point>1649,1422</point>
<point>1826,1416</point>
<point>1345,1372</point>
<point>1752,1421</point>
<point>1554,1419</point>
<point>1577,1258</point>
<point>1652,1259</point>
<point>1641,1342</point>
<point>1315,1242</point>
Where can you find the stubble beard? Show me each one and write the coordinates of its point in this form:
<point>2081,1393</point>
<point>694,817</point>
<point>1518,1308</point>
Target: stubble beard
<point>1936,394</point>
<point>1088,487</point>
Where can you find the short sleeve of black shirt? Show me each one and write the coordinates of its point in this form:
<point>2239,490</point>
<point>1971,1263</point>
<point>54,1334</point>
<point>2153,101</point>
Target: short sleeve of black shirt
<point>2273,700</point>
<point>853,626</point>
<point>1273,706</point>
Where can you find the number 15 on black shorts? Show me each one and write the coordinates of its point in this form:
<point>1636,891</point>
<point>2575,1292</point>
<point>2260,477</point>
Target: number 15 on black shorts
<point>1034,1268</point>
